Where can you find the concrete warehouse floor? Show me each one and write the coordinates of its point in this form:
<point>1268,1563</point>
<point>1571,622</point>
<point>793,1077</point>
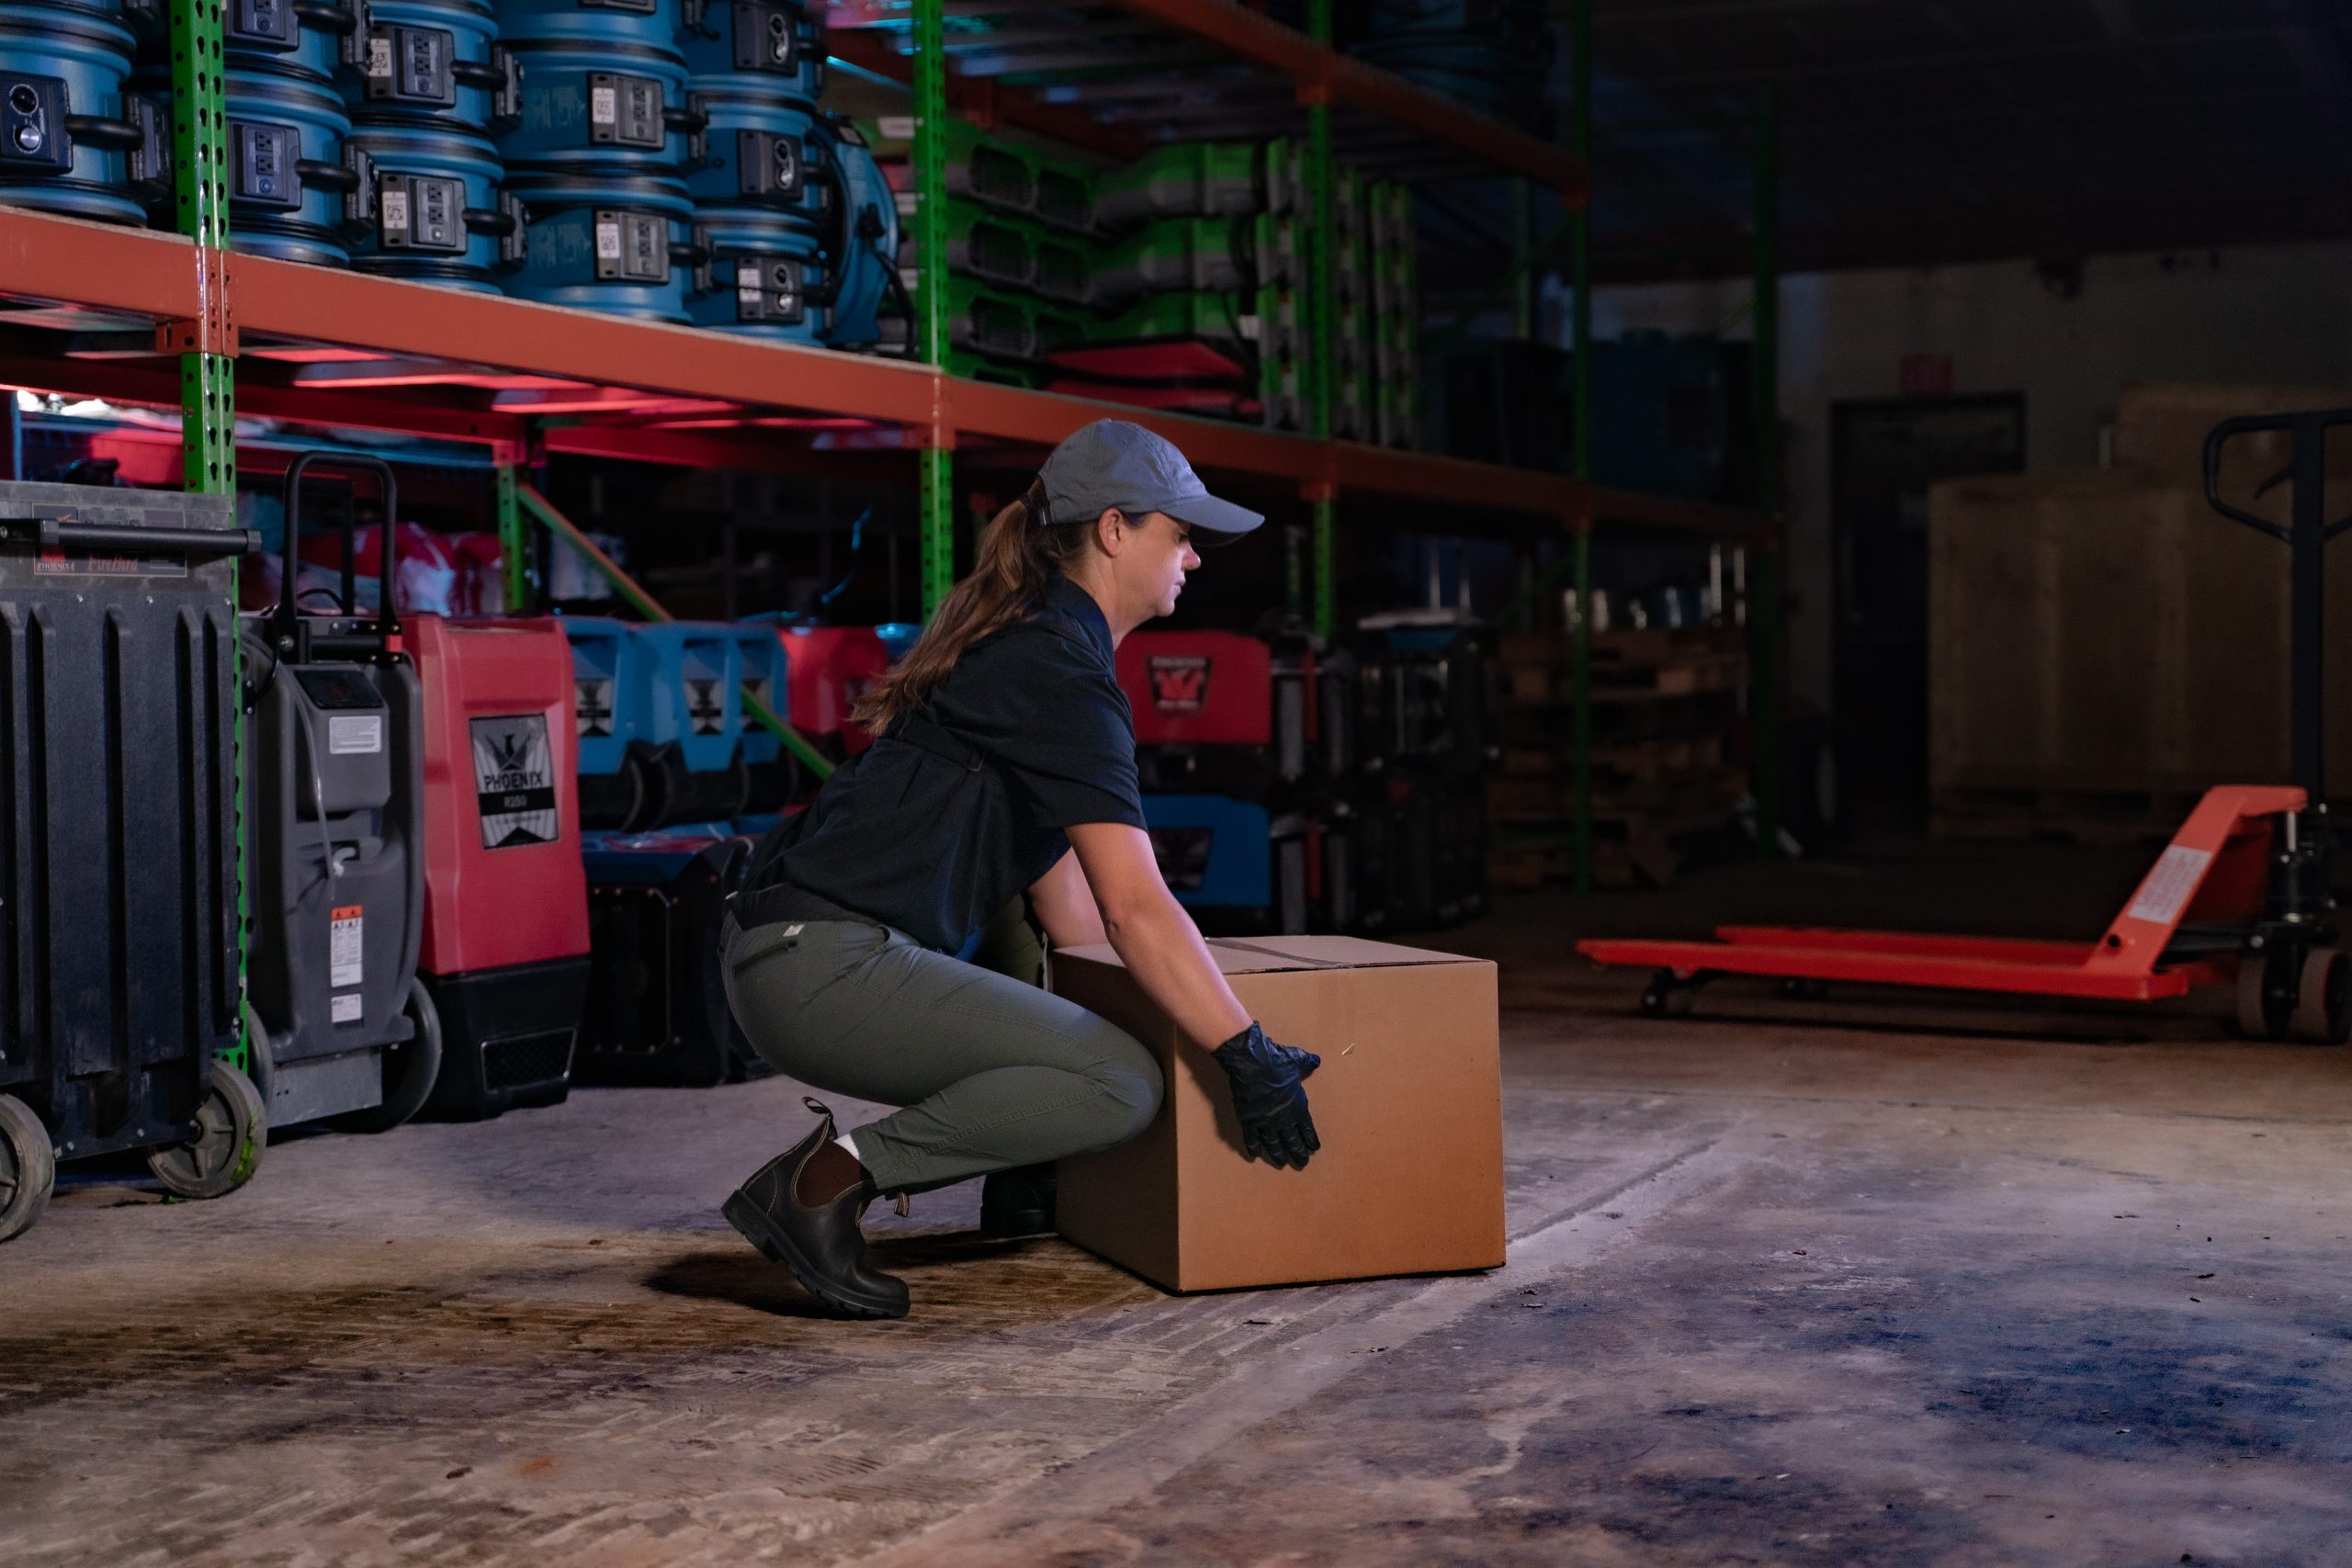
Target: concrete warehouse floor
<point>1883,1284</point>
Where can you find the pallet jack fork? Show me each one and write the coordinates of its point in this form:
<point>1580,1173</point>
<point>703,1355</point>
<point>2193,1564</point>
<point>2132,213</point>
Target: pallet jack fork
<point>2243,896</point>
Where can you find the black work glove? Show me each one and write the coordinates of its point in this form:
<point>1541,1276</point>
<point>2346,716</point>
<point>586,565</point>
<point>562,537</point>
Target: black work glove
<point>1268,1097</point>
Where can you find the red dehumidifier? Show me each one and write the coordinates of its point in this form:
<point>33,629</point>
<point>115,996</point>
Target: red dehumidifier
<point>505,948</point>
<point>825,669</point>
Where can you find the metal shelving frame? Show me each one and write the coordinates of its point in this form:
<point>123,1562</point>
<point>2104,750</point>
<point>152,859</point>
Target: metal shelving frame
<point>321,345</point>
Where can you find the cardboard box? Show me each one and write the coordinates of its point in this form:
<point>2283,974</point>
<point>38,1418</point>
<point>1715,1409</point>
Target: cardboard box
<point>1408,1104</point>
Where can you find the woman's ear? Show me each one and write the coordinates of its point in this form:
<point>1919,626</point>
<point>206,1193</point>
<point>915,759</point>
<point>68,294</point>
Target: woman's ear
<point>1111,530</point>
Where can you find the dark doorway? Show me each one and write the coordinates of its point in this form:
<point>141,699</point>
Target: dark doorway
<point>1884,455</point>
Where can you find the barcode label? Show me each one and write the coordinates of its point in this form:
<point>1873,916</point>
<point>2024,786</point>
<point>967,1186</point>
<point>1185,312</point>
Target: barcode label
<point>349,1007</point>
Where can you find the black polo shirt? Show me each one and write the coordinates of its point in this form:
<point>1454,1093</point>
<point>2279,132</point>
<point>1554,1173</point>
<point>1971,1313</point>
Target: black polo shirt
<point>937,827</point>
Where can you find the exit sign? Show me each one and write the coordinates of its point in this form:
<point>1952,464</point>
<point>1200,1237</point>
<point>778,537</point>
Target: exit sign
<point>1925,374</point>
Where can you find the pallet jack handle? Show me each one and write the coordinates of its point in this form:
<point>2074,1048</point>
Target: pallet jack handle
<point>2305,534</point>
<point>286,623</point>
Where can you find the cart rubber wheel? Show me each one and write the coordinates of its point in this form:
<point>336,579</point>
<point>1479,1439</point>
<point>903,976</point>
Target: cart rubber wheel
<point>411,1069</point>
<point>28,1168</point>
<point>261,1061</point>
<point>2262,1011</point>
<point>2322,1013</point>
<point>1666,997</point>
<point>233,1128</point>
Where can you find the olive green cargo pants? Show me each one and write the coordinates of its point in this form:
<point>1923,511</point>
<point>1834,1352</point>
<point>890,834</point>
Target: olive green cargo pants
<point>993,1071</point>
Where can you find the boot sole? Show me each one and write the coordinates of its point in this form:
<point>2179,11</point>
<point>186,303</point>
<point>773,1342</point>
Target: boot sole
<point>776,1247</point>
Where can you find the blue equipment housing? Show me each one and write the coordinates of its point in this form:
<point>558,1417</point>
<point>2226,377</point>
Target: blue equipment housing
<point>441,214</point>
<point>625,247</point>
<point>863,236</point>
<point>694,721</point>
<point>759,151</point>
<point>779,46</point>
<point>1215,853</point>
<point>766,278</point>
<point>318,42</point>
<point>435,62</point>
<point>774,774</point>
<point>297,191</point>
<point>600,107</point>
<point>609,673</point>
<point>72,141</point>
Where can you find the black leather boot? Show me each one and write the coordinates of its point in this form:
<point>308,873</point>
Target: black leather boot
<point>1019,1202</point>
<point>819,1240</point>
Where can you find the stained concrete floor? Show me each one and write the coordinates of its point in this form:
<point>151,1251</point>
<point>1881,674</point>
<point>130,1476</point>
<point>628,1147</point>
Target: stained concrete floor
<point>1869,1281</point>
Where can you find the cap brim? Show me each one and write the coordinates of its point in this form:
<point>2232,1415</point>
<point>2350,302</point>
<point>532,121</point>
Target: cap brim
<point>1221,520</point>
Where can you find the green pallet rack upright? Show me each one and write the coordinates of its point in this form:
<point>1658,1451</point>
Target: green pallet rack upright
<point>937,480</point>
<point>207,343</point>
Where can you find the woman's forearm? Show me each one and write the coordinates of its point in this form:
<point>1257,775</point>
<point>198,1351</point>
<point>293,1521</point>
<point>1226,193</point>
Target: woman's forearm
<point>1162,949</point>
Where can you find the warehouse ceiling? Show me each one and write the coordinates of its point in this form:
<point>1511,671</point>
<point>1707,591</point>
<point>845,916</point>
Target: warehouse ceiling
<point>1926,131</point>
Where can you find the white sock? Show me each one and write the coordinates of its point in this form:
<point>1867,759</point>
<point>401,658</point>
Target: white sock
<point>849,1146</point>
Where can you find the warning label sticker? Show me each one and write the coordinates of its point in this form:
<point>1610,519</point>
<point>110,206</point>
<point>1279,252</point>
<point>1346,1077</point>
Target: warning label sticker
<point>593,706</point>
<point>346,946</point>
<point>603,106</point>
<point>355,734</point>
<point>514,781</point>
<point>2170,885</point>
<point>350,1007</point>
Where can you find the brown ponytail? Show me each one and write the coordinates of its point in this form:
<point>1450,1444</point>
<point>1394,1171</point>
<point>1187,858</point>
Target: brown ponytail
<point>1022,550</point>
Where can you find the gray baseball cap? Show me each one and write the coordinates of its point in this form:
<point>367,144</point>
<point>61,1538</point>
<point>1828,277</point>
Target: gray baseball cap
<point>1113,463</point>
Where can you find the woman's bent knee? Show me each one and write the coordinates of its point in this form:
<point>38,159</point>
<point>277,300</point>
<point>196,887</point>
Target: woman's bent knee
<point>1132,1088</point>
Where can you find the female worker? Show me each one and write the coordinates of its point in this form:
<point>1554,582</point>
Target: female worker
<point>1005,766</point>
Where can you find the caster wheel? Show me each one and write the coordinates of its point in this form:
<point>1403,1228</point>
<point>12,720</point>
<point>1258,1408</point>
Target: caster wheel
<point>233,1125</point>
<point>1666,997</point>
<point>409,1069</point>
<point>2323,1014</point>
<point>28,1168</point>
<point>2264,1003</point>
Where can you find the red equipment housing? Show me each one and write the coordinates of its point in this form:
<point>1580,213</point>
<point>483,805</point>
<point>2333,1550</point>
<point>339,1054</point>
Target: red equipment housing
<point>1198,688</point>
<point>827,669</point>
<point>505,944</point>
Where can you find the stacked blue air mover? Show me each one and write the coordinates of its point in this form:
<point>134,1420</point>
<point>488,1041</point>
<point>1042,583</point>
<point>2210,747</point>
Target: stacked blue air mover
<point>433,84</point>
<point>599,153</point>
<point>298,188</point>
<point>764,189</point>
<point>72,141</point>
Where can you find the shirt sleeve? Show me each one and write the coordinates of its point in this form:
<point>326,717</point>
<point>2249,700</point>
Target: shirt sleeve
<point>1075,756</point>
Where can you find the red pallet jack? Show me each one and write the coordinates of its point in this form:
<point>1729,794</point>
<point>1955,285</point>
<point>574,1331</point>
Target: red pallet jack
<point>2243,896</point>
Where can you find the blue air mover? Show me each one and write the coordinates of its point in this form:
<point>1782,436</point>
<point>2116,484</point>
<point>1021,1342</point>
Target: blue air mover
<point>1216,854</point>
<point>296,191</point>
<point>778,47</point>
<point>624,246</point>
<point>609,703</point>
<point>764,277</point>
<point>69,134</point>
<point>758,150</point>
<point>693,719</point>
<point>603,90</point>
<point>863,238</point>
<point>312,39</point>
<point>440,213</point>
<point>436,62</point>
<point>775,775</point>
